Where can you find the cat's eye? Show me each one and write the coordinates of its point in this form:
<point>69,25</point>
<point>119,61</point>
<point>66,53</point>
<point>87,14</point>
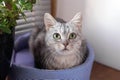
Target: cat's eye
<point>72,36</point>
<point>56,36</point>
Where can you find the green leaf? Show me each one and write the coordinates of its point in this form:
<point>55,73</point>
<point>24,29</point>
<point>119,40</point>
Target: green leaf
<point>10,10</point>
<point>5,29</point>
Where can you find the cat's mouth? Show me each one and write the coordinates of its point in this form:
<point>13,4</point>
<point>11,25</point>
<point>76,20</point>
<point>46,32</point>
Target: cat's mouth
<point>65,49</point>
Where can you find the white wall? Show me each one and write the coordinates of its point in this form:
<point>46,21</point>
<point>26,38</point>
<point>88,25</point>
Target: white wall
<point>101,26</point>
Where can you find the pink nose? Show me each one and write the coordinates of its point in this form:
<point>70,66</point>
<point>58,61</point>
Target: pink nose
<point>65,44</point>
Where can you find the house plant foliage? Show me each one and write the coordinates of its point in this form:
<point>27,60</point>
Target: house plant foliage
<point>10,11</point>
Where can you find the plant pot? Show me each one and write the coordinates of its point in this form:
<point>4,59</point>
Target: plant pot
<point>6,49</point>
<point>23,65</point>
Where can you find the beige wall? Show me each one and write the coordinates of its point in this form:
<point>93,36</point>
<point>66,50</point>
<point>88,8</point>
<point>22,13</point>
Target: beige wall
<point>66,9</point>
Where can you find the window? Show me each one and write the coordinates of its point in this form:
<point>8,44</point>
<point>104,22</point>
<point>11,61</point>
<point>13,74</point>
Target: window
<point>34,18</point>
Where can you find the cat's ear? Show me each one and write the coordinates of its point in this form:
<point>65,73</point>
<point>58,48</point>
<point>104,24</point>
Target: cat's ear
<point>49,21</point>
<point>77,20</point>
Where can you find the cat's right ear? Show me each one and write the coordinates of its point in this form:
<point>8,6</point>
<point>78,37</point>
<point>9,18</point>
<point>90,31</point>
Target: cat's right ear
<point>49,21</point>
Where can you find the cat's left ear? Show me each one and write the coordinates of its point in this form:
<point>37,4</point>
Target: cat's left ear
<point>77,20</point>
<point>49,21</point>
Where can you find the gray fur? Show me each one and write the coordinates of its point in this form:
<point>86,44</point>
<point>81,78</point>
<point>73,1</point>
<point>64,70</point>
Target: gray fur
<point>50,53</point>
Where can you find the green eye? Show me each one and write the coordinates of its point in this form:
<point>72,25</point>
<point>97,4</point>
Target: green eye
<point>56,36</point>
<point>72,36</point>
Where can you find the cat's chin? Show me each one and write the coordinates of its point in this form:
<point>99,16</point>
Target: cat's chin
<point>64,52</point>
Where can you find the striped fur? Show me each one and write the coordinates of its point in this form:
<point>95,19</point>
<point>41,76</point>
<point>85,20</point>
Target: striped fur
<point>63,53</point>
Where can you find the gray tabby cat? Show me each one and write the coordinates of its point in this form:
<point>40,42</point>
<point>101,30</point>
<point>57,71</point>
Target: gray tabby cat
<point>58,44</point>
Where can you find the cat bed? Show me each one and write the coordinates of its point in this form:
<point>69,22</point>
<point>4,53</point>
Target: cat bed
<point>22,65</point>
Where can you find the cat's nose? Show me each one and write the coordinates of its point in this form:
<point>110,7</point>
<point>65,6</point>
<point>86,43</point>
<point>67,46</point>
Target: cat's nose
<point>65,44</point>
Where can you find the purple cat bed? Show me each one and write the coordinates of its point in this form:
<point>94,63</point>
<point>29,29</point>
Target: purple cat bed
<point>22,67</point>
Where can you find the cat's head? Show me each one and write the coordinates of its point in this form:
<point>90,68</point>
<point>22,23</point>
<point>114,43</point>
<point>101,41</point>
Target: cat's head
<point>64,38</point>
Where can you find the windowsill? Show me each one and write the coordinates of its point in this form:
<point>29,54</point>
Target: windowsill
<point>102,72</point>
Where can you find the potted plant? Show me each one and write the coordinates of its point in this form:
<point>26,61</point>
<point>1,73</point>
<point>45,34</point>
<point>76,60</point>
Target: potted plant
<point>9,13</point>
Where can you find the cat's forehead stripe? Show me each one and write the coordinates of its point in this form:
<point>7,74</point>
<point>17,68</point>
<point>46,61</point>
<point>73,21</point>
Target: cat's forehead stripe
<point>61,28</point>
<point>64,31</point>
<point>64,28</point>
<point>67,28</point>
